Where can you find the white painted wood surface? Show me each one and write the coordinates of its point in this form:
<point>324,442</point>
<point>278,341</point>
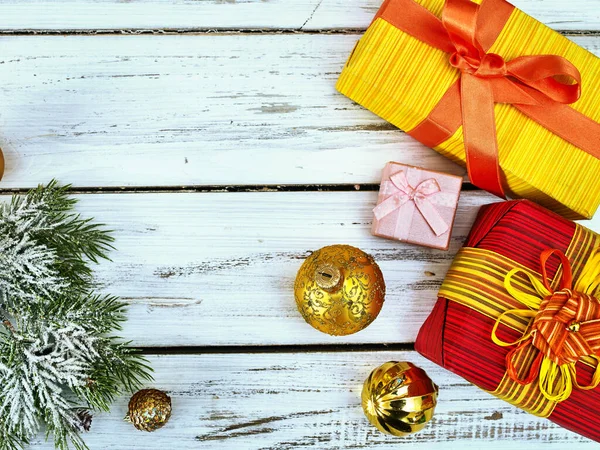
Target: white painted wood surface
<point>312,400</point>
<point>192,110</point>
<point>305,15</point>
<point>217,269</point>
<point>199,108</point>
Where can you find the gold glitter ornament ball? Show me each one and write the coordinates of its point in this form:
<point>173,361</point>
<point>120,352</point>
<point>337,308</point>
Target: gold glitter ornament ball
<point>339,290</point>
<point>149,409</point>
<point>1,164</point>
<point>399,398</point>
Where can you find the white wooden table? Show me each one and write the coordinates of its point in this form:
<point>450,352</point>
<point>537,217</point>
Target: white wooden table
<point>209,135</point>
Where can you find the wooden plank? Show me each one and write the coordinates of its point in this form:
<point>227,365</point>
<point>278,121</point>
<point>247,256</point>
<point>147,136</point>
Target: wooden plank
<point>218,269</point>
<point>244,14</point>
<point>312,400</point>
<point>192,110</point>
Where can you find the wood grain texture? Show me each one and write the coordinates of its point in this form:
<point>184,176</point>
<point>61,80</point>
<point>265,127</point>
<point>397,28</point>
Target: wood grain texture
<point>189,110</point>
<point>217,269</point>
<point>244,14</point>
<point>192,110</point>
<point>312,400</point>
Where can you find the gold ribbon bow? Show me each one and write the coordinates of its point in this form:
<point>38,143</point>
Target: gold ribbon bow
<point>564,328</point>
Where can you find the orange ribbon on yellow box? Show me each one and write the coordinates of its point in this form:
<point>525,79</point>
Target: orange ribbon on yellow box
<point>540,86</point>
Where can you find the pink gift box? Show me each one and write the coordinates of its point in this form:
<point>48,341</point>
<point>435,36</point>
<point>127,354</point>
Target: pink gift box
<point>416,205</point>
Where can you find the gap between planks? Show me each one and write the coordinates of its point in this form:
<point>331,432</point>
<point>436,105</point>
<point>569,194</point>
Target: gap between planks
<point>283,349</point>
<point>217,32</point>
<point>367,187</point>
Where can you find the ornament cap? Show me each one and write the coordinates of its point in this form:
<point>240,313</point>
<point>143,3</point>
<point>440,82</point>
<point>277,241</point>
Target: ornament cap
<point>328,276</point>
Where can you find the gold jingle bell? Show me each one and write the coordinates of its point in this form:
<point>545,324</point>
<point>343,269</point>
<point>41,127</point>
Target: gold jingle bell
<point>399,398</point>
<point>339,290</point>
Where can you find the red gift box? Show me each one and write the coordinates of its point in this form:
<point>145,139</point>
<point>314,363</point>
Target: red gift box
<point>518,314</point>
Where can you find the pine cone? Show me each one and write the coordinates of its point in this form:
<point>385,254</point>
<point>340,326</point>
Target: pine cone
<point>85,419</point>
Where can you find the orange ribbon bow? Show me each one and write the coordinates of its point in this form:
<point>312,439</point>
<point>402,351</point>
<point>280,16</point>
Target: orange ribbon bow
<point>540,86</point>
<point>564,328</point>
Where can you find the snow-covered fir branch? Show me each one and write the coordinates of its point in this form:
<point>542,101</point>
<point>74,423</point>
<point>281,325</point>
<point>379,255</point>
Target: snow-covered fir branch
<point>27,267</point>
<point>56,352</point>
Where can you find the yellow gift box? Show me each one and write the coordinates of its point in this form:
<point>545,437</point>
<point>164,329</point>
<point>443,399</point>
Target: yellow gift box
<point>402,78</point>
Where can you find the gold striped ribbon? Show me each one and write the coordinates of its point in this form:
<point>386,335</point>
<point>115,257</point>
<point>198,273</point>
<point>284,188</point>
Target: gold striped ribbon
<point>477,280</point>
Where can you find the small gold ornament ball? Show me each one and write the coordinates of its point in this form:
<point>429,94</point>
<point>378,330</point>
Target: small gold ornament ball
<point>399,398</point>
<point>1,164</point>
<point>149,409</point>
<point>339,290</point>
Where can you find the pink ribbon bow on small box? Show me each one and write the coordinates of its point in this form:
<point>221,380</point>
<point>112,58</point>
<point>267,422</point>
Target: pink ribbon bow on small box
<point>419,195</point>
<point>425,197</point>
